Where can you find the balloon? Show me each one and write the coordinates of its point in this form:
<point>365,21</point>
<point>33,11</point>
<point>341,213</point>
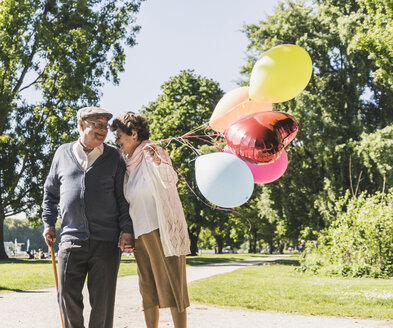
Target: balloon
<point>280,74</point>
<point>224,179</point>
<point>234,105</point>
<point>266,173</point>
<point>270,172</point>
<point>260,137</point>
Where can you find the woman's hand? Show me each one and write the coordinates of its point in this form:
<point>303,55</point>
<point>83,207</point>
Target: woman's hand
<point>152,154</point>
<point>127,242</point>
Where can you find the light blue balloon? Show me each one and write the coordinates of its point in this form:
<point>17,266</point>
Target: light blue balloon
<point>224,179</point>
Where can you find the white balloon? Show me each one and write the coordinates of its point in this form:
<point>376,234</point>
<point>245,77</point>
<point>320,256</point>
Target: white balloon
<point>224,179</point>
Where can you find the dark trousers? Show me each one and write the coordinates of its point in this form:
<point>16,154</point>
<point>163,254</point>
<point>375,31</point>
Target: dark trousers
<point>99,261</point>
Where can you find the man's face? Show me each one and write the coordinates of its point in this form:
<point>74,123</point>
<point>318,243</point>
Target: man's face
<point>93,131</point>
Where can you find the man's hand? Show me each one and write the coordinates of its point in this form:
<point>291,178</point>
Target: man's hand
<point>49,235</point>
<point>127,242</point>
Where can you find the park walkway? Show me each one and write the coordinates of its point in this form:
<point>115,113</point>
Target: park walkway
<point>38,308</point>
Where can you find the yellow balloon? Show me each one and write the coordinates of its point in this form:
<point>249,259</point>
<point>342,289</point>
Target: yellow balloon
<point>280,74</point>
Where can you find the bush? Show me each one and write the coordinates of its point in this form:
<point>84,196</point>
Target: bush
<point>359,242</point>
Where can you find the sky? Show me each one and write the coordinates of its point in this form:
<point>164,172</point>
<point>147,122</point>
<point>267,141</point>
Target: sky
<point>203,35</point>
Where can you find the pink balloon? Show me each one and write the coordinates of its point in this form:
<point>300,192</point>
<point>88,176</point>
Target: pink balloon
<point>266,173</point>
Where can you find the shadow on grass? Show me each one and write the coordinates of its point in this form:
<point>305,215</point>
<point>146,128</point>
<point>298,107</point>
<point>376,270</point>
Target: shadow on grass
<point>22,291</point>
<point>129,260</point>
<point>201,260</point>
<point>289,262</point>
<point>47,261</point>
<point>24,261</point>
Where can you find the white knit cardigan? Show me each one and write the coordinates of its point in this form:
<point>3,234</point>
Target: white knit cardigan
<point>171,221</point>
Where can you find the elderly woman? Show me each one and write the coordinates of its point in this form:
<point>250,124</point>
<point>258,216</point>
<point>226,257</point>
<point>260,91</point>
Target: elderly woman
<point>161,236</point>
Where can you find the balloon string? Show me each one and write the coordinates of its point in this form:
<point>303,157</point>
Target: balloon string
<point>203,126</point>
<point>250,224</point>
<point>183,140</point>
<point>189,144</point>
<point>213,140</point>
<point>159,160</point>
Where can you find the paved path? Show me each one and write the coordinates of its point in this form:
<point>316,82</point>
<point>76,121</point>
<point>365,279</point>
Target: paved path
<point>38,308</point>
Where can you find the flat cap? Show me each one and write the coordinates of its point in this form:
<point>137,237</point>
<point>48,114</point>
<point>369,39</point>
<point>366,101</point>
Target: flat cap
<point>87,112</point>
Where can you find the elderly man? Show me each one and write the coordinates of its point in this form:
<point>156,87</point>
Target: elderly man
<point>86,180</point>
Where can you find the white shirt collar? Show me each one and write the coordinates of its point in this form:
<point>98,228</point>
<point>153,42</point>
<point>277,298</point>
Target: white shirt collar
<point>86,159</point>
<point>79,148</point>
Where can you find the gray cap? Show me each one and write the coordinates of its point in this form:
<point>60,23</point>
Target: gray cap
<point>87,112</point>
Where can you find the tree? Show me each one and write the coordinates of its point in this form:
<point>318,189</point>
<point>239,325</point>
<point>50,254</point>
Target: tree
<point>376,36</point>
<point>23,231</point>
<point>65,50</point>
<point>186,103</point>
<point>259,219</point>
<point>340,103</point>
<point>374,151</point>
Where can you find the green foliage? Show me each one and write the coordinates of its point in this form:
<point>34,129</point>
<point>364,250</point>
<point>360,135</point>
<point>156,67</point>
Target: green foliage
<point>186,104</point>
<point>65,51</point>
<point>258,219</point>
<point>22,230</point>
<point>359,242</point>
<point>341,104</point>
<point>206,239</point>
<point>374,151</point>
<point>376,36</point>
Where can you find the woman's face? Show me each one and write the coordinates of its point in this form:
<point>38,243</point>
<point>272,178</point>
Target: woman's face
<point>127,143</point>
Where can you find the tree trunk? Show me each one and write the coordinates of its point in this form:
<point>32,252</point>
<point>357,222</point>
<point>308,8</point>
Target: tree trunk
<point>3,254</point>
<point>255,242</point>
<point>194,235</point>
<point>5,105</point>
<point>219,242</point>
<point>252,242</point>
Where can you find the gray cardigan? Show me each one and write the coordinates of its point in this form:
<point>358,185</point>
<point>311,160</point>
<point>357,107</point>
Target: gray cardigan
<point>92,203</point>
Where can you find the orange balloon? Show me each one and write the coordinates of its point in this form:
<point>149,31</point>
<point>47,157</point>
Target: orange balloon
<point>233,106</point>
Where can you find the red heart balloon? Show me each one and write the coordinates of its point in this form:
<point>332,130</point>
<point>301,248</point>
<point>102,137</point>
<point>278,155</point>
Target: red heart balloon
<point>259,138</point>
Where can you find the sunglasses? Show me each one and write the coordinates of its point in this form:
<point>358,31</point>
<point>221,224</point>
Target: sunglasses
<point>98,125</point>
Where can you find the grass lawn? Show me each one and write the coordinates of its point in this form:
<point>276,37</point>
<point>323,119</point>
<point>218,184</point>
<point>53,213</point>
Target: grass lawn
<point>277,286</point>
<point>218,258</point>
<point>21,274</point>
<point>17,274</point>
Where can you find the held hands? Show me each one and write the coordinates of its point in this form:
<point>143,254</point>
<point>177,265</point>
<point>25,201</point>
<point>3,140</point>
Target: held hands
<point>127,243</point>
<point>49,235</point>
